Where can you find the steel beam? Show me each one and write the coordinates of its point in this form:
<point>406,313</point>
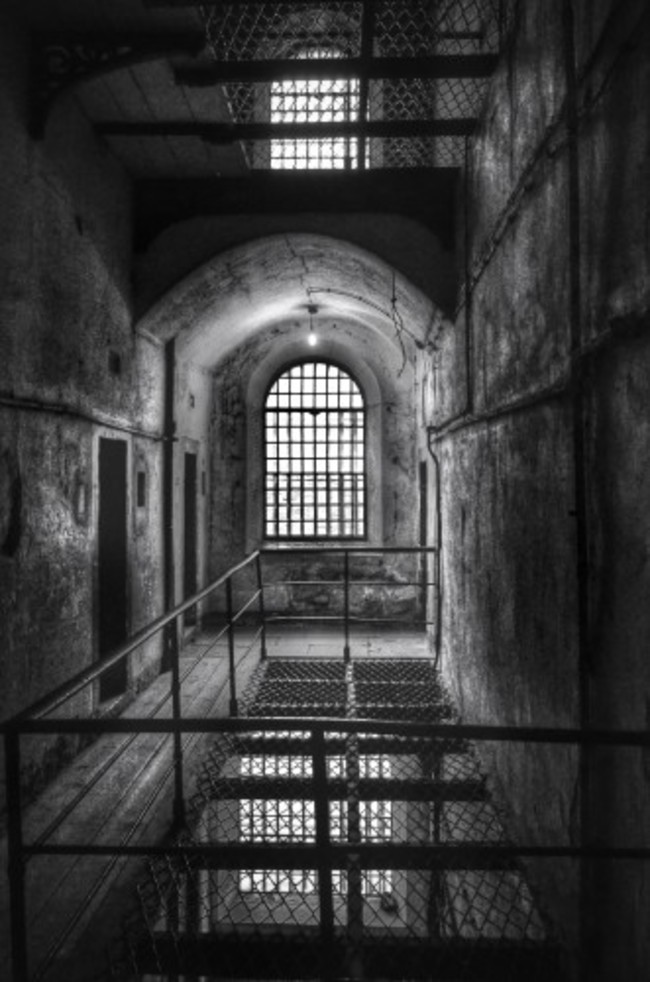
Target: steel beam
<point>302,69</point>
<point>369,789</point>
<point>231,132</point>
<point>293,952</point>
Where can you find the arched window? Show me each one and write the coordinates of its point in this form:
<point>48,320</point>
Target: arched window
<point>314,447</point>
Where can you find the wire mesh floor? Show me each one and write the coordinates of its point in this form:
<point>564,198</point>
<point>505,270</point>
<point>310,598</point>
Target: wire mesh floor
<point>352,860</point>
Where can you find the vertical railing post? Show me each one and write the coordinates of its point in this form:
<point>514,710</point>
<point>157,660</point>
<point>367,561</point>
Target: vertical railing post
<point>321,811</point>
<point>16,859</point>
<point>260,587</point>
<point>346,605</point>
<point>433,765</point>
<point>177,712</point>
<point>354,966</point>
<point>231,649</point>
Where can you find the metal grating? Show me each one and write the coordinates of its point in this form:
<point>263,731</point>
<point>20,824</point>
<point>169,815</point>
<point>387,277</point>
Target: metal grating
<point>370,689</point>
<point>390,918</point>
<point>249,32</point>
<point>253,31</point>
<point>403,28</point>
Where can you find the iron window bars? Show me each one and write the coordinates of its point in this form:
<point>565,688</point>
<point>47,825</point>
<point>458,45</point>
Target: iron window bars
<point>334,100</point>
<point>294,820</point>
<point>353,30</point>
<point>314,432</point>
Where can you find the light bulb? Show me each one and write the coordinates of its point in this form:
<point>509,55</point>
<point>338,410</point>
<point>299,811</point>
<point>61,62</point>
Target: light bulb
<point>312,340</point>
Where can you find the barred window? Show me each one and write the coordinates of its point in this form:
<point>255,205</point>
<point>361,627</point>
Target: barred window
<point>314,428</point>
<point>276,820</point>
<point>334,100</point>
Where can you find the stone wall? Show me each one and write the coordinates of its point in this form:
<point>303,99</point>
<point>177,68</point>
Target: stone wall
<point>71,371</point>
<point>615,274</point>
<point>503,399</point>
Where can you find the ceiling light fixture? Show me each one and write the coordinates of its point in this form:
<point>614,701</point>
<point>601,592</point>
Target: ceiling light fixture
<point>312,339</point>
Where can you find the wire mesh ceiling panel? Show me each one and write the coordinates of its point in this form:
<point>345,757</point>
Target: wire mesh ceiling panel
<point>247,32</point>
<point>252,31</point>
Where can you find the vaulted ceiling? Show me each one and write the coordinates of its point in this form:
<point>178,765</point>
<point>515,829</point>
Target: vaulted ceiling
<point>181,91</point>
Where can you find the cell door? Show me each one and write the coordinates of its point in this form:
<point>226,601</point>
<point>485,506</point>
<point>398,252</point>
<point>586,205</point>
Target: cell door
<point>190,562</point>
<point>112,561</point>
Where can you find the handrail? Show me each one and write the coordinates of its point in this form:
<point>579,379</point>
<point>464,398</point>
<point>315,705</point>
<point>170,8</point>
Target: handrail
<point>66,690</point>
<point>313,734</point>
<point>53,700</point>
<point>70,688</point>
<point>338,724</point>
<point>32,719</point>
<point>282,550</point>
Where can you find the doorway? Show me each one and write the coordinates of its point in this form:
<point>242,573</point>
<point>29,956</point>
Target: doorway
<point>424,537</point>
<point>112,562</point>
<point>190,562</point>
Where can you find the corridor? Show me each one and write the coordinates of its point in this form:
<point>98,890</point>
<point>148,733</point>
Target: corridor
<point>315,316</point>
<point>464,917</point>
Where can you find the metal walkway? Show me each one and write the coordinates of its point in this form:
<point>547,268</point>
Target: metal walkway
<point>118,790</point>
<point>346,831</point>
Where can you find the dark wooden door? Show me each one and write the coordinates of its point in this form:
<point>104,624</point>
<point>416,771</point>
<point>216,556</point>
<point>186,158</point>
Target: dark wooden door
<point>190,564</point>
<point>112,561</point>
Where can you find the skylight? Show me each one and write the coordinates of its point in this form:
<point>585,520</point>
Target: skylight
<point>333,100</point>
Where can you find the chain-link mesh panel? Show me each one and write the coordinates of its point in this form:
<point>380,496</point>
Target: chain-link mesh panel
<point>419,28</point>
<point>452,98</point>
<point>445,151</point>
<point>343,869</point>
<point>402,29</point>
<point>252,31</point>
<point>371,688</point>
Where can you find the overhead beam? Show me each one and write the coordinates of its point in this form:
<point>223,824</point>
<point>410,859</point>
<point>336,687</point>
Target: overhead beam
<point>224,133</point>
<point>367,40</point>
<point>294,952</point>
<point>302,69</point>
<point>426,195</point>
<point>162,4</point>
<point>368,789</point>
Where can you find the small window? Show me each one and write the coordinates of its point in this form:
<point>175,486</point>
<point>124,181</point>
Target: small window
<point>314,429</point>
<point>333,100</point>
<point>276,820</point>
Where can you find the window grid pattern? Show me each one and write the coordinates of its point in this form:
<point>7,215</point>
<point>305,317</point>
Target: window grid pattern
<point>269,765</point>
<point>277,820</point>
<point>315,101</point>
<point>277,881</point>
<point>333,28</point>
<point>315,455</point>
<point>370,765</point>
<point>294,820</point>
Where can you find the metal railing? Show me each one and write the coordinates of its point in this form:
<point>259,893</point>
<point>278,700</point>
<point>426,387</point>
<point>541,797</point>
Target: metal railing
<point>346,584</point>
<point>316,732</point>
<point>33,719</point>
<point>325,855</point>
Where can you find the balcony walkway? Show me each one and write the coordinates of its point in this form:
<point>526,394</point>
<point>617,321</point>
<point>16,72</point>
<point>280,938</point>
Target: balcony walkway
<point>120,790</point>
